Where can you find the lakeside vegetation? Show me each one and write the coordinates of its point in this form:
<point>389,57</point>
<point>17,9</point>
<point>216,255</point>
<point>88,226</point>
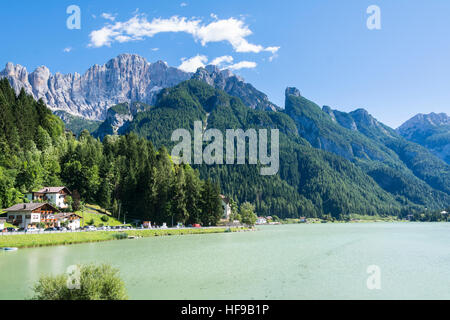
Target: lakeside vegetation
<point>360,218</point>
<point>53,239</point>
<point>90,281</point>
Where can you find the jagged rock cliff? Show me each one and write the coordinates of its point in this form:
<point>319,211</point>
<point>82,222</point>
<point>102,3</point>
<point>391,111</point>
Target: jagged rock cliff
<point>126,78</point>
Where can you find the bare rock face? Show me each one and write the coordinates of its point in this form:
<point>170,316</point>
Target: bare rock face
<point>125,79</point>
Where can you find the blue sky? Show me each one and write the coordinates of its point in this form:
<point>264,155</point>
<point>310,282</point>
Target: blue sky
<point>324,48</point>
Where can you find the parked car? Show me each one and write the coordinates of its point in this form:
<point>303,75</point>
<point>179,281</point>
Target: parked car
<point>196,225</point>
<point>10,229</point>
<point>90,228</point>
<point>51,229</point>
<point>63,229</point>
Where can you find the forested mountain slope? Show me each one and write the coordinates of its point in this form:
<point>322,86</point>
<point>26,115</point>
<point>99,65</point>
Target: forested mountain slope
<point>354,175</point>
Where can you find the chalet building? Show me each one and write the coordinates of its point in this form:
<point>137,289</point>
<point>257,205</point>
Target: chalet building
<point>26,215</point>
<point>31,215</point>
<point>226,207</point>
<point>55,195</point>
<point>70,219</point>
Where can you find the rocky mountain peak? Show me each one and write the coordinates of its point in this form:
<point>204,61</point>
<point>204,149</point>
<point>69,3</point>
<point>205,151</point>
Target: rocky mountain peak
<point>431,131</point>
<point>292,91</point>
<point>425,121</point>
<point>362,116</point>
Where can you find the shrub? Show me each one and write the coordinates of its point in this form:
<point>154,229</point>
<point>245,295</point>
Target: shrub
<point>104,218</point>
<point>94,283</point>
<point>121,235</point>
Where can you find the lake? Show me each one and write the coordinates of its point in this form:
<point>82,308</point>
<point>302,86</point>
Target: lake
<point>316,261</point>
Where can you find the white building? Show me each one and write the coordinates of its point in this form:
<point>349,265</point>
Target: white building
<point>55,195</point>
<point>226,207</point>
<point>2,224</point>
<point>72,219</point>
<point>261,220</point>
<point>26,215</point>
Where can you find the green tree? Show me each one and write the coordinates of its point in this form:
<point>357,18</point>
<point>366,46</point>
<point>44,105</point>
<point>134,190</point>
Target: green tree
<point>248,214</point>
<point>235,216</point>
<point>211,204</point>
<point>193,195</point>
<point>179,210</point>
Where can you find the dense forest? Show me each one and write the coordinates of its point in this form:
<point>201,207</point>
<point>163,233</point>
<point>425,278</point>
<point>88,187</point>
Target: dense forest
<point>311,182</point>
<point>120,172</point>
<point>134,172</point>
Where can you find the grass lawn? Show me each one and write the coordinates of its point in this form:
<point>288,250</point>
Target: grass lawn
<point>95,213</point>
<point>40,240</point>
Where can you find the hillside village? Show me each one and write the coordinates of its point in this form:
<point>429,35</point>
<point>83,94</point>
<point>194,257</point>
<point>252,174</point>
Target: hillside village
<point>50,208</point>
<point>44,208</point>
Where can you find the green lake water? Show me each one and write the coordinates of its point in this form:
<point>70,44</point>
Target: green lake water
<point>318,261</point>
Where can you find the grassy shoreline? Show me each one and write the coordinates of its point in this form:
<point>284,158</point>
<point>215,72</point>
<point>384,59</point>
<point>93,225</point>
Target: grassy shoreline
<point>55,239</point>
<point>352,219</point>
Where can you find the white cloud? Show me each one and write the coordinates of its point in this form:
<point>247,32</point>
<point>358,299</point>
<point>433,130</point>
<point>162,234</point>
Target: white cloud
<point>231,30</point>
<point>155,49</point>
<point>68,49</point>
<point>242,65</point>
<point>108,16</point>
<point>183,4</point>
<point>103,37</point>
<point>221,60</point>
<point>272,49</point>
<point>192,64</point>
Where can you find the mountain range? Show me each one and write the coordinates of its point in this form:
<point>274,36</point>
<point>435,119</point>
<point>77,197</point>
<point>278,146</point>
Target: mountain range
<point>127,78</point>
<point>331,162</point>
